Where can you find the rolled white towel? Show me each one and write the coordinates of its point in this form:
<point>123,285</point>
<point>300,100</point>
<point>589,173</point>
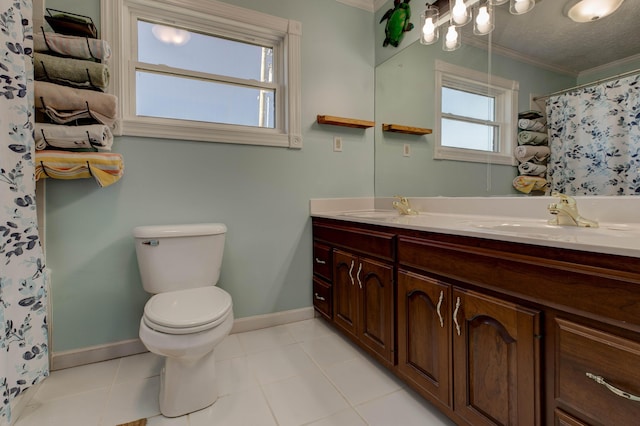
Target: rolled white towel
<point>527,137</point>
<point>534,153</point>
<point>93,136</point>
<point>531,169</point>
<point>534,125</point>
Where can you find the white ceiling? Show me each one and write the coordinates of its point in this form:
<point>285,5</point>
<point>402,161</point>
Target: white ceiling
<point>547,36</point>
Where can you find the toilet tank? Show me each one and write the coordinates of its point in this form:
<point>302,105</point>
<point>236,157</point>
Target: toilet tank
<point>178,257</point>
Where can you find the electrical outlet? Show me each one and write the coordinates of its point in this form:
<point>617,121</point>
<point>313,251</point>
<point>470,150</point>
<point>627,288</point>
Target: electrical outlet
<point>337,144</point>
<point>406,150</point>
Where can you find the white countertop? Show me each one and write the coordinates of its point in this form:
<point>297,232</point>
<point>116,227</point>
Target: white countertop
<point>514,219</point>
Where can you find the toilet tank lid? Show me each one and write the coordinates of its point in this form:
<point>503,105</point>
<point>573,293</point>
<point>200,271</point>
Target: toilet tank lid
<point>168,231</point>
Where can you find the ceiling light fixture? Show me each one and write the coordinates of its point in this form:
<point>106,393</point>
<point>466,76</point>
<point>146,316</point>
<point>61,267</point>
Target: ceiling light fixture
<point>170,35</point>
<point>592,10</point>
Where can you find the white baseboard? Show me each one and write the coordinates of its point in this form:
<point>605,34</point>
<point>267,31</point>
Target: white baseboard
<point>77,357</point>
<point>270,320</point>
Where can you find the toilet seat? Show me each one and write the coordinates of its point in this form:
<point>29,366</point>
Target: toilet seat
<point>187,311</point>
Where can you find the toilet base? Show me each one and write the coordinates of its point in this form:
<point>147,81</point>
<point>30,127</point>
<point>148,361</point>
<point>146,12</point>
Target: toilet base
<point>187,385</point>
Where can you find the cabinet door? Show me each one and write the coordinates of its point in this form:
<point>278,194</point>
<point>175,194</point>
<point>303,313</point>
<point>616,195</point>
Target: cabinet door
<point>345,291</point>
<point>424,333</point>
<point>496,361</point>
<point>375,327</point>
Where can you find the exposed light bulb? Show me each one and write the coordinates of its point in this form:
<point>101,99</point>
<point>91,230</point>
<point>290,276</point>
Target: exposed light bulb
<point>459,13</point>
<point>483,21</point>
<point>429,30</point>
<point>522,6</point>
<point>451,40</point>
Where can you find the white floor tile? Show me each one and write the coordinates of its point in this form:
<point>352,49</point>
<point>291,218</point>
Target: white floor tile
<point>309,329</point>
<point>402,408</point>
<point>280,363</point>
<point>238,409</point>
<point>133,400</point>
<point>347,417</point>
<point>84,409</point>
<point>360,380</point>
<point>230,347</point>
<point>330,349</point>
<point>234,375</point>
<point>265,339</point>
<point>141,366</point>
<point>78,380</point>
<point>303,399</point>
<point>166,421</point>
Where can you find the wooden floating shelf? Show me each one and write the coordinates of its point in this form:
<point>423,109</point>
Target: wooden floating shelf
<point>345,122</point>
<point>396,128</point>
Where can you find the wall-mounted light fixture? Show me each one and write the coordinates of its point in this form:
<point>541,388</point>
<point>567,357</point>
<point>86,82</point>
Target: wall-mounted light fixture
<point>461,12</point>
<point>592,10</point>
<point>170,35</point>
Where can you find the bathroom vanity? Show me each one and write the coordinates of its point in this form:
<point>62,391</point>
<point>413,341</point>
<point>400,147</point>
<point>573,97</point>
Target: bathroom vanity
<point>491,331</point>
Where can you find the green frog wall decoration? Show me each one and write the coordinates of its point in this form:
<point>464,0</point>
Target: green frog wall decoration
<point>397,22</point>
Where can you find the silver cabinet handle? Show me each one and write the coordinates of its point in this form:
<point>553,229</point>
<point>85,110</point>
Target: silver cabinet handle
<point>319,297</point>
<point>321,262</point>
<point>358,276</point>
<point>455,316</point>
<point>600,380</point>
<point>351,273</point>
<point>438,308</point>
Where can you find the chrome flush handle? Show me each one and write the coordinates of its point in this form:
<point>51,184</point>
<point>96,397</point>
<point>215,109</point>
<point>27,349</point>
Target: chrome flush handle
<point>151,243</point>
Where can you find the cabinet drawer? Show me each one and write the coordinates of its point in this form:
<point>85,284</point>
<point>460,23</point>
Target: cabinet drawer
<point>322,260</point>
<point>583,350</point>
<point>322,297</point>
<point>366,241</point>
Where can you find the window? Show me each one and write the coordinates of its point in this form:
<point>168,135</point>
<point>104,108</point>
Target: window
<point>209,71</point>
<point>475,115</point>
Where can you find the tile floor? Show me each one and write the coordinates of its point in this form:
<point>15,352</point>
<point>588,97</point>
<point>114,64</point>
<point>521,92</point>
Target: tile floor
<point>302,373</point>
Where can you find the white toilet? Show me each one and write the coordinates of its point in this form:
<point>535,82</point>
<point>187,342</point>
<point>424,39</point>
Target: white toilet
<point>188,315</point>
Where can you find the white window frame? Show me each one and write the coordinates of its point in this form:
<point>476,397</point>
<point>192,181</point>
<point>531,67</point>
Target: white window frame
<point>505,93</point>
<point>119,28</point>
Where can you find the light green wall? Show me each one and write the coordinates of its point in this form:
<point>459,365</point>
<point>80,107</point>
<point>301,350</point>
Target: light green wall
<point>260,193</point>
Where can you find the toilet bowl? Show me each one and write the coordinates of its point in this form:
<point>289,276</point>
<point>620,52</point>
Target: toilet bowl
<point>188,316</point>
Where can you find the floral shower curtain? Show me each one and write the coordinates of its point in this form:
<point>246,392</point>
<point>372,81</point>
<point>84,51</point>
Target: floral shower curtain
<point>23,297</point>
<point>595,139</point>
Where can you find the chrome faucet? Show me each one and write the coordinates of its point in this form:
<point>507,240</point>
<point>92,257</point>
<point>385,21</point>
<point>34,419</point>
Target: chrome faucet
<point>403,206</point>
<point>568,208</point>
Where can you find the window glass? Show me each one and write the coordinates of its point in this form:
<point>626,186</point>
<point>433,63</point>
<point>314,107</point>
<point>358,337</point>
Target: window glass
<point>157,96</point>
<point>460,134</point>
<point>178,48</point>
<point>467,104</point>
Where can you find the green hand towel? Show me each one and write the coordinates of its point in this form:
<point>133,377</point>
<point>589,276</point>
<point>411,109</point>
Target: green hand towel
<point>71,72</point>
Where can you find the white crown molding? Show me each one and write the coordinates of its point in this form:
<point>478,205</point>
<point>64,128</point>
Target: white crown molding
<point>360,4</point>
<point>610,65</point>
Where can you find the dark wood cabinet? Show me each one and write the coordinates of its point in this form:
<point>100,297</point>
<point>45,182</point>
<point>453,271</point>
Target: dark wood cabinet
<point>363,301</point>
<point>496,360</point>
<point>424,334</point>
<point>491,332</point>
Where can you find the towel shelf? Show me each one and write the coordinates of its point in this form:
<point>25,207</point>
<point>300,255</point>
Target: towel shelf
<point>396,128</point>
<point>345,122</point>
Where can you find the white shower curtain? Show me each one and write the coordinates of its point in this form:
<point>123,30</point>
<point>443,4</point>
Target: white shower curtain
<point>23,297</point>
<point>595,139</point>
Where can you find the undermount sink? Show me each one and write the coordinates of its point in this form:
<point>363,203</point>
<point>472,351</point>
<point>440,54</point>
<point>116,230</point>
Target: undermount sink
<point>559,232</point>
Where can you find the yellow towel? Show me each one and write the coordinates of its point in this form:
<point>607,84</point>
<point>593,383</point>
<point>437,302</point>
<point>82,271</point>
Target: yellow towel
<point>527,184</point>
<point>105,167</point>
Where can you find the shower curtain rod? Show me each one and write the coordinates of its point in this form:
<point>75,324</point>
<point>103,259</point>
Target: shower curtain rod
<point>593,83</point>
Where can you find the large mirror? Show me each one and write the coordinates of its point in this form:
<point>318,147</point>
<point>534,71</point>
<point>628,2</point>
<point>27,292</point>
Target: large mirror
<point>543,50</point>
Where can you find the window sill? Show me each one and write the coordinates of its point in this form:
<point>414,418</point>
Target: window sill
<point>456,154</point>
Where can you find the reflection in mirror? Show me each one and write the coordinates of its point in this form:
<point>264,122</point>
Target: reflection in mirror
<point>544,51</point>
